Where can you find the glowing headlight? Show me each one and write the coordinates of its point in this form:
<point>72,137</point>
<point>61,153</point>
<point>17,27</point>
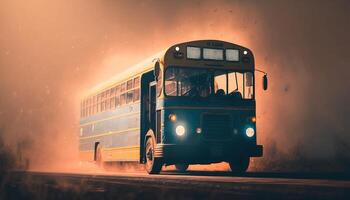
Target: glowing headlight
<point>250,132</point>
<point>180,130</point>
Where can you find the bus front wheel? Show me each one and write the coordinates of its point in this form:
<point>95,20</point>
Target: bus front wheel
<point>239,165</point>
<point>153,165</point>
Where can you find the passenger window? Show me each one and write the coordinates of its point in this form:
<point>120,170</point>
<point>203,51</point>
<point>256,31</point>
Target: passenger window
<point>117,90</point>
<point>99,98</point>
<point>122,99</point>
<point>116,101</point>
<point>112,104</point>
<point>137,94</point>
<point>108,104</point>
<point>94,110</point>
<point>94,100</point>
<point>81,109</point>
<point>129,96</point>
<point>99,107</point>
<point>103,106</point>
<point>107,94</point>
<point>129,85</point>
<point>112,92</point>
<point>136,82</point>
<point>122,87</point>
<point>103,97</point>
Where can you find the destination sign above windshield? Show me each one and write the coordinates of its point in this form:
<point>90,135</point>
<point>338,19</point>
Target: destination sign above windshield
<point>212,54</point>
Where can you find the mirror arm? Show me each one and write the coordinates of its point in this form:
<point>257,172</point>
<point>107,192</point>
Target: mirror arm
<point>261,71</point>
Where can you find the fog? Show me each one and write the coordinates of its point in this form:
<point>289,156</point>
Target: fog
<point>53,51</point>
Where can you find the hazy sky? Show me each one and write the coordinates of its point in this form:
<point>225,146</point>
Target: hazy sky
<point>51,51</point>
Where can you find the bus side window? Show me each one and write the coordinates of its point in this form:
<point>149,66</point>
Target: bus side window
<point>117,101</point>
<point>136,94</point>
<point>108,105</point>
<point>122,87</point>
<point>117,90</point>
<point>122,99</point>
<point>99,103</point>
<point>129,85</point>
<point>117,93</point>
<point>81,108</point>
<point>136,82</point>
<point>112,92</point>
<point>103,98</point>
<point>129,96</point>
<point>112,102</point>
<point>95,104</point>
<point>88,106</point>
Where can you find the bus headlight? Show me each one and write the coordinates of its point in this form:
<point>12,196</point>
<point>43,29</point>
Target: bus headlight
<point>180,130</point>
<point>250,132</point>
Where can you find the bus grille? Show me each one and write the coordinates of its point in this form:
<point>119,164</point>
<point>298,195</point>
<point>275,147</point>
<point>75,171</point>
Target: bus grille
<point>216,126</point>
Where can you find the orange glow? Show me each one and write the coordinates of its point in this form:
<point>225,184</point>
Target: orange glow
<point>253,119</point>
<point>172,117</point>
<point>49,59</point>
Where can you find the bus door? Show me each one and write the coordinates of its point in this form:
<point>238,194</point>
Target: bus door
<point>152,106</point>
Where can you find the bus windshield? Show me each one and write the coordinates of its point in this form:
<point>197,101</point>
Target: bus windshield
<point>208,82</point>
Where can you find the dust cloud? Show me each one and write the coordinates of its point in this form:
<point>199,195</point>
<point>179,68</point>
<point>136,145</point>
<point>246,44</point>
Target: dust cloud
<point>52,51</point>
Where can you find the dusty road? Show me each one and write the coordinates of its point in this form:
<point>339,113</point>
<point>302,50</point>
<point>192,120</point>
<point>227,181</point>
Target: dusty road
<point>172,185</point>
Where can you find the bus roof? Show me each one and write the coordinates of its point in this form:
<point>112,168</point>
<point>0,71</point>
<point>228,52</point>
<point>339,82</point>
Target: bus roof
<point>141,67</point>
<point>170,59</point>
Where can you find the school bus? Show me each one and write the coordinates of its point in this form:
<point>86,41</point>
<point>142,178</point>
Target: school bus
<point>193,103</point>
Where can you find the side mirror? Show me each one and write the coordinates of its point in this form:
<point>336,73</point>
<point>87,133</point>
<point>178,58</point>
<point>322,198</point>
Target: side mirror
<point>265,82</point>
<point>156,70</point>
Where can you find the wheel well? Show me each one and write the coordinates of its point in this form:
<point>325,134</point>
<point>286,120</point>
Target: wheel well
<point>95,150</point>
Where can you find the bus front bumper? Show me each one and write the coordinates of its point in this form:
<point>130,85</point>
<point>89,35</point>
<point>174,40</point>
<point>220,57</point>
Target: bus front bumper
<point>204,154</point>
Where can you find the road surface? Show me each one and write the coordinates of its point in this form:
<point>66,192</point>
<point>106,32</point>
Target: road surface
<point>172,185</point>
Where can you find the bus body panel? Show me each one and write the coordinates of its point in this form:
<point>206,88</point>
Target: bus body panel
<point>200,148</point>
<point>117,131</point>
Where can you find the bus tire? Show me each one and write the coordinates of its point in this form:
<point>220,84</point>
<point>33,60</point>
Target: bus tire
<point>239,165</point>
<point>181,167</point>
<point>153,165</point>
